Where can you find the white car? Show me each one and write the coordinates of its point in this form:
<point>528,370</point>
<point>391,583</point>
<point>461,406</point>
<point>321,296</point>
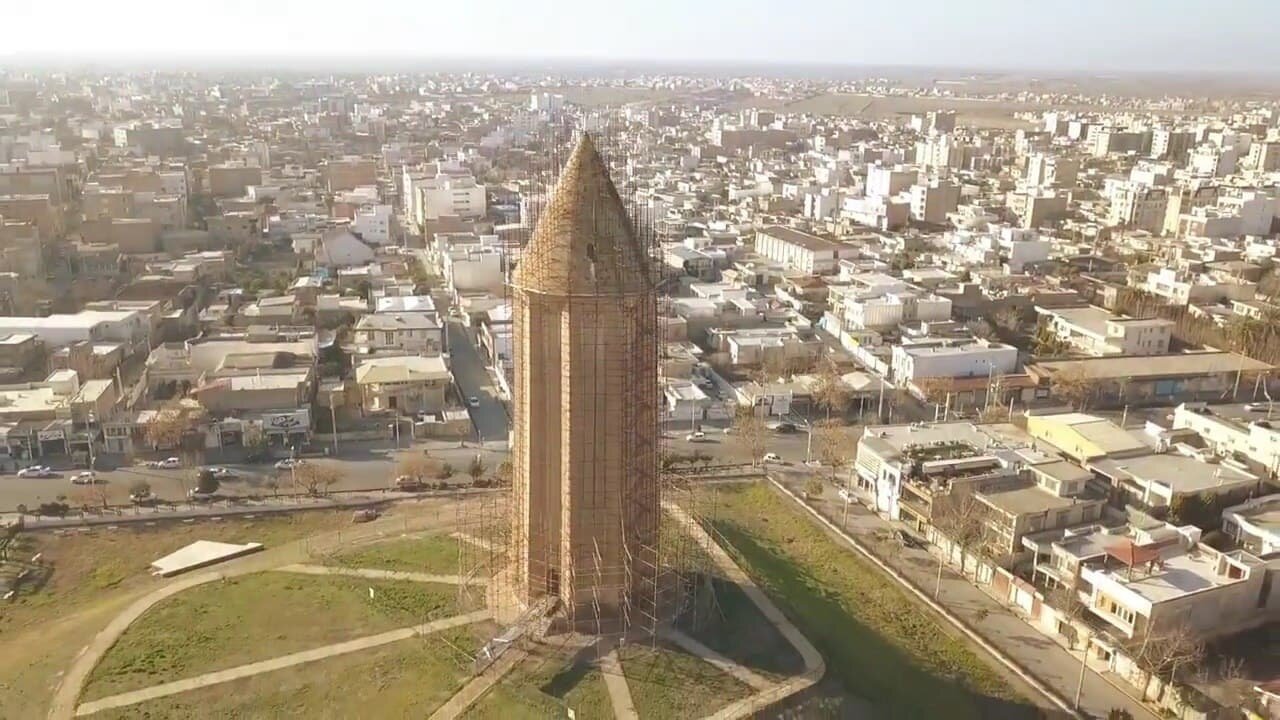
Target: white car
<point>772,458</point>
<point>697,436</point>
<point>169,463</point>
<point>473,401</point>
<point>288,464</point>
<point>86,477</point>
<point>37,471</point>
<point>221,473</point>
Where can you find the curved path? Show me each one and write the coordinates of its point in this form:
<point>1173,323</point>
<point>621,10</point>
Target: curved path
<point>67,696</point>
<point>277,663</point>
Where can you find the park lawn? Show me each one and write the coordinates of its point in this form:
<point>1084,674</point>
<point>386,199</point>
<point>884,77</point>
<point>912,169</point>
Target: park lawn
<point>878,643</point>
<point>87,563</point>
<point>437,554</point>
<point>669,683</point>
<point>542,686</point>
<point>231,622</point>
<point>94,574</point>
<point>405,679</point>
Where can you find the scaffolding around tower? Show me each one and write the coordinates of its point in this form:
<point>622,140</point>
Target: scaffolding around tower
<point>588,291</point>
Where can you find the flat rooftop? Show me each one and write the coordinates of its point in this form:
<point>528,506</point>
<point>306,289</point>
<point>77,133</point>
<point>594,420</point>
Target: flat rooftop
<point>1025,500</point>
<point>801,239</point>
<point>1153,366</point>
<point>1180,473</point>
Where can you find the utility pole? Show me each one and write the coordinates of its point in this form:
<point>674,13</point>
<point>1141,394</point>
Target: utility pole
<point>333,422</point>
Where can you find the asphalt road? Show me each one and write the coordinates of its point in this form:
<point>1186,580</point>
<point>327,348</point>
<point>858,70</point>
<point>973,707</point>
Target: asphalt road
<point>366,466</point>
<point>490,417</point>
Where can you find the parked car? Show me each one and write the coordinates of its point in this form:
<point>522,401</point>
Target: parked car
<point>784,428</point>
<point>36,471</point>
<point>169,463</point>
<point>697,436</point>
<point>772,458</point>
<point>288,463</point>
<point>197,496</point>
<point>473,401</point>
<point>221,473</point>
<point>846,495</point>
<point>86,477</point>
<point>364,515</point>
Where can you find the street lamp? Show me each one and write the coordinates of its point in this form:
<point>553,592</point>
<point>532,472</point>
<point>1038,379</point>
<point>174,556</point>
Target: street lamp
<point>333,422</point>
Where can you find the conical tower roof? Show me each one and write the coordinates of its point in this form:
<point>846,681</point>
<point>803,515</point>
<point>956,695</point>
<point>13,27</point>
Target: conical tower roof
<point>584,243</point>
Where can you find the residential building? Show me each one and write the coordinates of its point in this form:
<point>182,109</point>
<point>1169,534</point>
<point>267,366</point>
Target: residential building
<point>1254,524</point>
<point>403,384</point>
<point>399,333</point>
<point>1094,331</point>
<point>951,358</point>
<point>801,251</point>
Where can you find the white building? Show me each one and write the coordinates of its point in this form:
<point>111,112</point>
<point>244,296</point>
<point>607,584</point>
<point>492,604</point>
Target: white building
<point>886,182</point>
<point>1097,332</point>
<point>458,195</point>
<point>933,358</point>
<point>801,251</point>
<point>373,223</point>
<point>1139,207</point>
<point>402,333</point>
<point>471,268</point>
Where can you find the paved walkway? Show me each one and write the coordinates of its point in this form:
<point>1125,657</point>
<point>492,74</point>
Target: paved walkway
<point>472,540</point>
<point>814,665</point>
<point>478,686</point>
<point>1050,663</point>
<point>742,673</point>
<point>67,695</point>
<point>615,680</point>
<point>278,663</point>
<point>374,574</point>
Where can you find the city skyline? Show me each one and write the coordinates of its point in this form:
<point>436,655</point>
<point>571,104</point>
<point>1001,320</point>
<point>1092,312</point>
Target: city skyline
<point>1139,36</point>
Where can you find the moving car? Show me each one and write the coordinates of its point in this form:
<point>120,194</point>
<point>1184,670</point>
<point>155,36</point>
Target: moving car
<point>169,463</point>
<point>364,515</point>
<point>37,471</point>
<point>784,428</point>
<point>197,496</point>
<point>85,477</point>
<point>288,464</point>
<point>221,473</point>
<point>772,458</point>
<point>143,497</point>
<point>473,401</point>
<point>409,483</point>
<point>697,436</point>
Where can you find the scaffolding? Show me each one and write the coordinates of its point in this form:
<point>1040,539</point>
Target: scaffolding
<point>584,276</point>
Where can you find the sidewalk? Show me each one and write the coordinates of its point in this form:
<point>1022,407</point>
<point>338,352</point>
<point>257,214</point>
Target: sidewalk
<point>1051,663</point>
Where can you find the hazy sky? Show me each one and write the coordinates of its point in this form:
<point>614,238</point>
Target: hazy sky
<point>1235,35</point>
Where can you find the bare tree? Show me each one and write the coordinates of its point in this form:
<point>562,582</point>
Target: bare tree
<point>317,478</point>
<point>962,518</point>
<point>476,468</point>
<point>935,391</point>
<point>167,428</point>
<point>831,393</point>
<point>1073,386</point>
<point>749,433</point>
<point>1165,653</point>
<point>835,448</point>
<point>417,466</point>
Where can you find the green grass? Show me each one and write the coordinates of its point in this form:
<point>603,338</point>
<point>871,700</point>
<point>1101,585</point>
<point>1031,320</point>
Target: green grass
<point>542,687</point>
<point>228,623</point>
<point>430,554</point>
<point>668,683</point>
<point>406,679</point>
<point>878,643</point>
